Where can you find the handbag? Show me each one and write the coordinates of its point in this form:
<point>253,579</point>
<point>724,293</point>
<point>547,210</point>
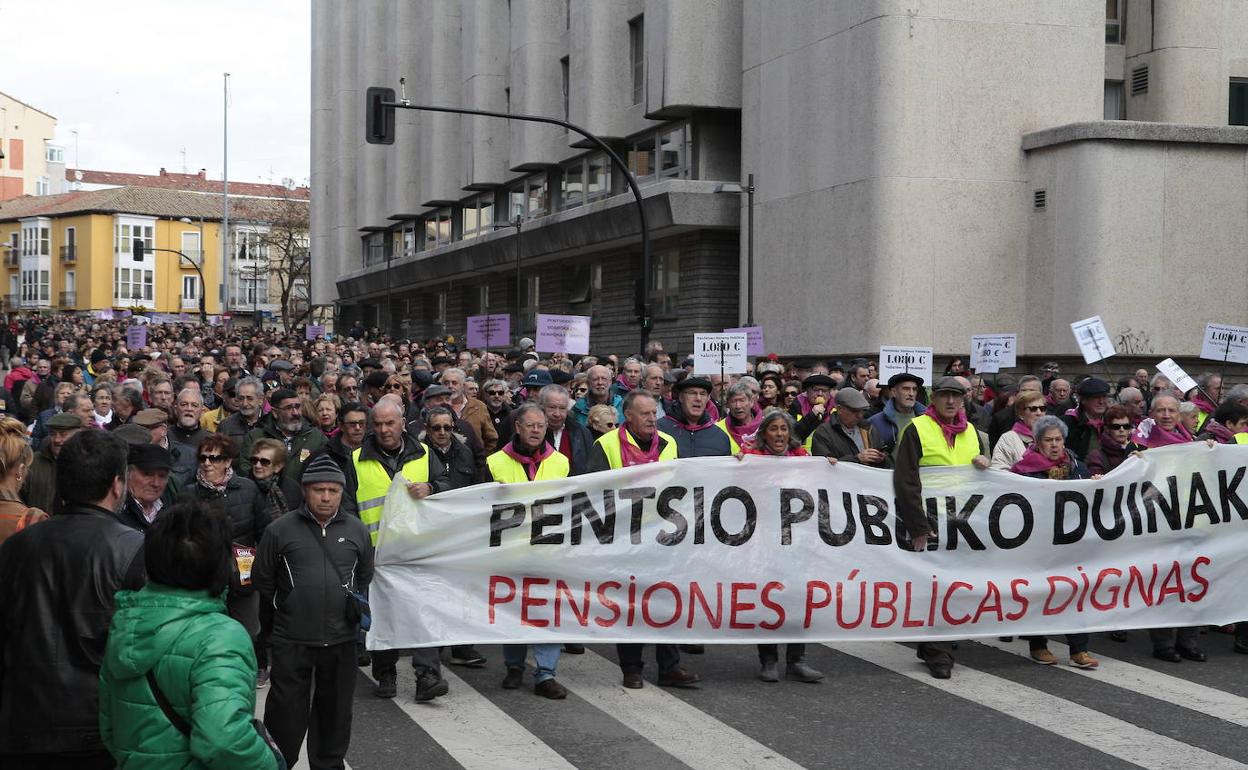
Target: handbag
<point>357,611</point>
<point>184,727</point>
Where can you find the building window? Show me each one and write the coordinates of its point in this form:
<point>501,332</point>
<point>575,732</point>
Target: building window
<point>1115,18</point>
<point>572,188</point>
<point>674,152</point>
<point>1115,100</point>
<point>665,153</point>
<point>132,286</point>
<point>529,302</point>
<point>53,154</point>
<point>585,179</point>
<point>1238,113</point>
<point>529,198</point>
<point>637,56</point>
<point>408,240</point>
<point>36,286</point>
<point>565,74</point>
<point>190,247</point>
<point>43,186</point>
<point>478,216</point>
<point>665,283</point>
<point>36,240</point>
<point>438,229</point>
<point>374,249</point>
<point>586,293</point>
<point>641,157</point>
<point>190,288</point>
<point>251,245</point>
<point>125,234</point>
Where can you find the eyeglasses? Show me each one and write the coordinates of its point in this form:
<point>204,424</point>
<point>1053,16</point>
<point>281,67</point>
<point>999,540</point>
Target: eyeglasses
<point>212,458</point>
<point>440,428</point>
<point>495,392</point>
<point>1120,426</point>
<point>355,423</point>
<point>394,386</point>
<point>790,394</point>
<point>611,424</point>
<point>263,462</point>
<point>1035,408</point>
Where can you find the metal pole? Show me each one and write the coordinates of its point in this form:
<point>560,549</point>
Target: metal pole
<point>227,255</point>
<point>616,161</point>
<point>749,196</point>
<point>519,224</point>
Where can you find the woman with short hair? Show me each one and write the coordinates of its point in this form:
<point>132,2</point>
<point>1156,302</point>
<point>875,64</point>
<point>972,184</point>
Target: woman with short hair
<point>1013,444</point>
<point>177,683</point>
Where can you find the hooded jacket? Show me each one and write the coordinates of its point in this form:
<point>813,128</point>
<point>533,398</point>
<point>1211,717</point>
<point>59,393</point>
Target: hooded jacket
<point>205,667</point>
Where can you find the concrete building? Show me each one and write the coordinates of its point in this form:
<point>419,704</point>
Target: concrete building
<point>30,162</point>
<point>924,171</point>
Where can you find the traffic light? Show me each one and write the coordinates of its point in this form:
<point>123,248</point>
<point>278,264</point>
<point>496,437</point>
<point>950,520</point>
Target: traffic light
<point>379,120</point>
<point>136,246</point>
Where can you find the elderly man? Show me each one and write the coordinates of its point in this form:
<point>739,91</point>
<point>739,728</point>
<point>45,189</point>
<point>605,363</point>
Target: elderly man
<point>1206,396</point>
<point>160,394</point>
<point>313,667</point>
<point>147,483</point>
<point>469,409</point>
<point>187,412</point>
<point>1058,400</point>
<point>530,457</point>
<point>287,424</point>
<point>899,410</point>
<point>847,436</point>
<point>941,436</point>
<point>652,380</point>
<point>389,450</point>
<point>156,421</point>
<point>249,399</point>
<point>497,399</point>
<point>568,437</point>
<point>813,407</point>
<point>743,417</point>
<point>689,423</point>
<point>1083,423</point>
<point>637,442</point>
<point>629,379</point>
<point>352,424</point>
<point>598,379</point>
<point>39,491</point>
<point>80,404</point>
<point>1133,400</point>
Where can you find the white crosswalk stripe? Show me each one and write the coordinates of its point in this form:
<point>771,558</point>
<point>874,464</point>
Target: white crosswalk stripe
<point>1145,681</point>
<point>1059,716</point>
<point>262,697</point>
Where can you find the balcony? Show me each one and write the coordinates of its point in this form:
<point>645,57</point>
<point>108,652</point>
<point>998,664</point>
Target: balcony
<point>190,303</point>
<point>69,253</point>
<point>68,300</point>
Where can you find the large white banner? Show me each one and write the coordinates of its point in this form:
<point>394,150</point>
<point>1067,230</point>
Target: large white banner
<point>717,550</point>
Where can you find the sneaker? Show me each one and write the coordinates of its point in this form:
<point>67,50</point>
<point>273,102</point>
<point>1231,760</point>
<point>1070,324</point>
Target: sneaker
<point>769,671</point>
<point>549,688</point>
<point>467,656</point>
<point>262,679</point>
<point>513,679</point>
<point>387,686</point>
<point>429,686</point>
<point>1043,656</point>
<point>1083,660</point>
<point>801,671</point>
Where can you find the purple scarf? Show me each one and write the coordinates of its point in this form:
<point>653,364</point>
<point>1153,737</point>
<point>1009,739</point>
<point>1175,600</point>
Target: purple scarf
<point>950,429</point>
<point>631,454</point>
<point>744,434</point>
<point>1034,461</point>
<point>1151,435</point>
<point>1095,422</point>
<point>623,383</point>
<point>1021,429</point>
<point>530,462</point>
<point>1202,403</point>
<point>1219,431</point>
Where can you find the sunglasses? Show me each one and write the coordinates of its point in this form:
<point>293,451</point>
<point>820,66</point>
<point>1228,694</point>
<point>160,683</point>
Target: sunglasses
<point>495,392</point>
<point>790,393</point>
<point>394,386</point>
<point>1035,408</point>
<point>212,458</point>
<point>263,462</point>
<point>439,428</point>
<point>1120,426</point>
<point>355,423</point>
<point>611,424</point>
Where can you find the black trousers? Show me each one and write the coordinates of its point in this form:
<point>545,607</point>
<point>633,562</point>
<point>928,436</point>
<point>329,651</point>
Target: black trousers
<point>793,653</point>
<point>424,659</point>
<point>936,652</point>
<point>1174,637</point>
<point>667,655</point>
<point>311,691</point>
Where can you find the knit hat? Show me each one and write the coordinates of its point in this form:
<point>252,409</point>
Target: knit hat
<point>322,468</point>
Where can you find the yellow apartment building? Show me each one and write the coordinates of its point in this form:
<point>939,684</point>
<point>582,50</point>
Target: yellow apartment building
<point>74,252</point>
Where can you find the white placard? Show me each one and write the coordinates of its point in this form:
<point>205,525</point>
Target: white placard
<point>900,360</point>
<point>716,353</point>
<point>1094,341</point>
<point>1225,343</point>
<point>1176,375</point>
<point>994,352</point>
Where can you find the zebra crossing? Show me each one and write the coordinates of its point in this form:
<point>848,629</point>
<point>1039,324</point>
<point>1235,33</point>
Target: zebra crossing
<point>878,707</point>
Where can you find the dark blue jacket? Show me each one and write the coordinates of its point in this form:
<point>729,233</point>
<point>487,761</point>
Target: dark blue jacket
<point>707,441</point>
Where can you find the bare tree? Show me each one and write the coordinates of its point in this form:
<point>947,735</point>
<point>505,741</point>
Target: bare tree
<point>285,258</point>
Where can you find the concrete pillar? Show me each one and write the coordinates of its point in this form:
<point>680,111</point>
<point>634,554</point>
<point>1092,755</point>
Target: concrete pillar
<point>485,57</point>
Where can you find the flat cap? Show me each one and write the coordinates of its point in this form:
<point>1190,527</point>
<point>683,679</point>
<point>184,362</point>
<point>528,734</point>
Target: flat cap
<point>693,382</point>
<point>150,457</point>
<point>151,418</point>
<point>1093,386</point>
<point>433,391</point>
<point>281,365</point>
<point>818,379</point>
<point>949,385</point>
<point>538,378</point>
<point>851,398</point>
<point>64,421</point>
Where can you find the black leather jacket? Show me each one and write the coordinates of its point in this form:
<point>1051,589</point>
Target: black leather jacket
<point>57,580</point>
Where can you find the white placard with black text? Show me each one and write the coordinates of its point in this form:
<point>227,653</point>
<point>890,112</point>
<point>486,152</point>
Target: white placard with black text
<point>994,352</point>
<point>1094,341</point>
<point>1225,343</point>
<point>1176,375</point>
<point>716,353</point>
<point>901,360</point>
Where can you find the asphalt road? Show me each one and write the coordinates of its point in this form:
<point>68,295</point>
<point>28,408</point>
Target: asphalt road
<point>878,708</point>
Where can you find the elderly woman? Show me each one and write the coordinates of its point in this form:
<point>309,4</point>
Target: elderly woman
<point>602,419</point>
<point>1012,445</point>
<point>1115,441</point>
<point>777,437</point>
<point>1189,415</point>
<point>1048,458</point>
<point>325,410</point>
<point>102,400</point>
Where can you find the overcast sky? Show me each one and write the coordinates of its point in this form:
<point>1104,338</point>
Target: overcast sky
<point>142,79</point>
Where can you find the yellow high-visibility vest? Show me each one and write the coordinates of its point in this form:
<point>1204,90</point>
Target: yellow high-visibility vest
<point>936,451</point>
<point>373,482</point>
<point>610,443</point>
<point>732,442</point>
<point>504,468</point>
<point>1241,438</point>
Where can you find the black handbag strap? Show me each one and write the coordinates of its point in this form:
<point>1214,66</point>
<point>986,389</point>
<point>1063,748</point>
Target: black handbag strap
<point>320,538</point>
<point>183,726</point>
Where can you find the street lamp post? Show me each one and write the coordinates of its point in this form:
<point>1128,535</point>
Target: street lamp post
<point>380,106</point>
<point>748,189</point>
<point>139,248</point>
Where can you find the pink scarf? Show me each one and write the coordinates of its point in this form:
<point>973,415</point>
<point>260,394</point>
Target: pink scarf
<point>1021,429</point>
<point>744,434</point>
<point>623,383</point>
<point>1095,422</point>
<point>1034,461</point>
<point>806,405</point>
<point>950,429</point>
<point>1202,403</point>
<point>1151,435</point>
<point>1219,431</point>
<point>530,462</point>
<point>631,454</point>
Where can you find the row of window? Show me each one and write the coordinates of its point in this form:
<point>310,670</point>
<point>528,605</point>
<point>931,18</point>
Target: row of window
<point>1116,100</point>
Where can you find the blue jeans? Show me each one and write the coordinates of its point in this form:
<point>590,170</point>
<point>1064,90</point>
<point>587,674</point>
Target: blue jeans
<point>545,655</point>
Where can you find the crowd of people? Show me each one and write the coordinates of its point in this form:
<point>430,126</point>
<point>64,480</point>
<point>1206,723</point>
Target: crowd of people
<point>185,523</point>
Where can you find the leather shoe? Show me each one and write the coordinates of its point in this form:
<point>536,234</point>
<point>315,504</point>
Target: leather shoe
<point>574,649</point>
<point>769,671</point>
<point>430,686</point>
<point>549,688</point>
<point>633,680</point>
<point>940,669</point>
<point>1168,654</point>
<point>387,686</point>
<point>1193,653</point>
<point>513,679</point>
<point>678,677</point>
<point>801,671</point>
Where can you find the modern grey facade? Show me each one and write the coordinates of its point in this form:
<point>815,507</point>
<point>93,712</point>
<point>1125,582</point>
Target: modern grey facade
<point>925,171</point>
